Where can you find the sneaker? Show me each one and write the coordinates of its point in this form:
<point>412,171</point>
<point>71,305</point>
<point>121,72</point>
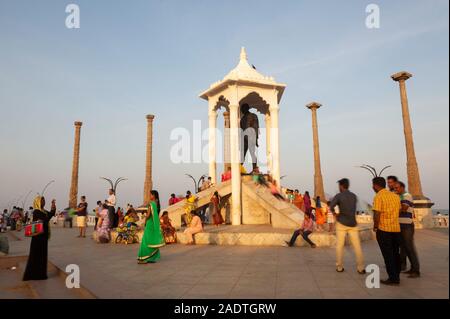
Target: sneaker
<point>286,244</point>
<point>340,270</point>
<point>390,282</point>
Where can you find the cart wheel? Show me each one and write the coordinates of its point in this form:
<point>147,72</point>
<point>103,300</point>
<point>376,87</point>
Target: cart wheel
<point>118,239</point>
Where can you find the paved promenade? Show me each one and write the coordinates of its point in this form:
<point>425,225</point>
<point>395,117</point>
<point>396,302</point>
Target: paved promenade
<point>111,271</point>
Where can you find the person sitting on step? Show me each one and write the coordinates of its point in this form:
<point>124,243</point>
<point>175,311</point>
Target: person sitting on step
<point>305,231</point>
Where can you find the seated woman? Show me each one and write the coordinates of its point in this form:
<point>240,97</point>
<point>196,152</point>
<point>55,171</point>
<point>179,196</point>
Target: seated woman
<point>169,232</point>
<point>103,226</point>
<point>305,231</point>
<point>195,227</point>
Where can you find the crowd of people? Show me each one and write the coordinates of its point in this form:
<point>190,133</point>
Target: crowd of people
<point>393,219</point>
<point>14,219</point>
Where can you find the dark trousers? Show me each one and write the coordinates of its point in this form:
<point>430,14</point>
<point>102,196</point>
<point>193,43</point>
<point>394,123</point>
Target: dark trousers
<point>390,249</point>
<point>202,214</point>
<point>68,220</point>
<point>96,222</point>
<point>408,248</point>
<point>305,234</point>
<point>112,216</point>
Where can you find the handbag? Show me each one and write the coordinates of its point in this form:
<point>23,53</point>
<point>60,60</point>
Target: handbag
<point>34,229</point>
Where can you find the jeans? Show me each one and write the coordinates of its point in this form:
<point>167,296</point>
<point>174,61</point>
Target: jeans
<point>305,234</point>
<point>353,233</point>
<point>390,249</point>
<point>408,248</point>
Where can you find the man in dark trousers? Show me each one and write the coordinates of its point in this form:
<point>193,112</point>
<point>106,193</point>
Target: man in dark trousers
<point>408,247</point>
<point>386,208</point>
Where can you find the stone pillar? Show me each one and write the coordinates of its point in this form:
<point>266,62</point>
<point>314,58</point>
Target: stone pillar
<point>73,196</point>
<point>226,142</point>
<point>212,145</point>
<point>148,182</point>
<point>318,180</point>
<point>236,207</point>
<point>414,184</point>
<point>268,153</point>
<point>422,204</point>
<point>274,144</point>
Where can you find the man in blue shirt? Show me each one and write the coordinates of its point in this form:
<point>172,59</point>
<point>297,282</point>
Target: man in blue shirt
<point>346,224</point>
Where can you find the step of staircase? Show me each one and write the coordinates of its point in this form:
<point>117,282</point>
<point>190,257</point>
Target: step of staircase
<point>262,235</point>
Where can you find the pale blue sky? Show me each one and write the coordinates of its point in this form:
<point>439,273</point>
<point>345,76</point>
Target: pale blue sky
<point>131,58</point>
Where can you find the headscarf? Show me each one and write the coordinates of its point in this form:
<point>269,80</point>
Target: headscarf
<point>37,203</point>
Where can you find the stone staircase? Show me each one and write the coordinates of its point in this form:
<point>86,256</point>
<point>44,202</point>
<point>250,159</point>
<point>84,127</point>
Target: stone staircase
<point>282,213</point>
<point>260,207</point>
<point>203,199</point>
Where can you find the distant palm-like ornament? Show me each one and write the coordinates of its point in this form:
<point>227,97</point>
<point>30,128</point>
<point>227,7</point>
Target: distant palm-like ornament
<point>114,184</point>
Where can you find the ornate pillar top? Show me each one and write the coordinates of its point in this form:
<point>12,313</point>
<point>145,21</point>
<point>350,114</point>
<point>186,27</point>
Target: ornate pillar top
<point>401,76</point>
<point>77,123</point>
<point>150,117</point>
<point>313,105</point>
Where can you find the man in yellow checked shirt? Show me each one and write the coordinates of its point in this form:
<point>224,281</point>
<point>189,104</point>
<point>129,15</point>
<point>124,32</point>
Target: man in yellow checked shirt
<point>386,208</point>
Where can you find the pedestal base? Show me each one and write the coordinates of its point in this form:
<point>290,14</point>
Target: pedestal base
<point>423,213</point>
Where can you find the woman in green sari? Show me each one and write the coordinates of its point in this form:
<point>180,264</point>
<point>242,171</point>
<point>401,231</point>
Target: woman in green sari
<point>153,238</point>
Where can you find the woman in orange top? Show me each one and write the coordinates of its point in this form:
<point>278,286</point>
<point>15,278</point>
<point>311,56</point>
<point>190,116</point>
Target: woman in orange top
<point>298,200</point>
<point>320,216</point>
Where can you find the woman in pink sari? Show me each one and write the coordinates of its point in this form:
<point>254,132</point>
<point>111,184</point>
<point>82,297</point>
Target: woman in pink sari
<point>103,226</point>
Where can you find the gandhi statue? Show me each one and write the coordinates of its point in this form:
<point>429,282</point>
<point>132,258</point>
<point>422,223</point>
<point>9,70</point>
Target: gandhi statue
<point>250,131</point>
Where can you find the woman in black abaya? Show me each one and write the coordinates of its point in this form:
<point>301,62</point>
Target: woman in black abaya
<point>37,260</point>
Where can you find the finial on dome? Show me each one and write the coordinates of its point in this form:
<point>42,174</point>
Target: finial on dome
<point>243,54</point>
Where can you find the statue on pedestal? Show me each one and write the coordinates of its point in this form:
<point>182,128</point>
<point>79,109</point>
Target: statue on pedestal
<point>250,130</point>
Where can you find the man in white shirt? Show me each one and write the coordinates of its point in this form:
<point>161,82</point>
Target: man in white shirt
<point>111,202</point>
